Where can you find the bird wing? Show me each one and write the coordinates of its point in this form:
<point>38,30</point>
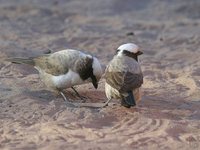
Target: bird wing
<point>131,81</point>
<point>58,63</point>
<point>124,74</point>
<point>52,66</point>
<point>124,81</point>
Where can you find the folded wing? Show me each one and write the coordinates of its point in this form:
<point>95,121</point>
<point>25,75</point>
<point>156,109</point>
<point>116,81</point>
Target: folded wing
<point>124,81</point>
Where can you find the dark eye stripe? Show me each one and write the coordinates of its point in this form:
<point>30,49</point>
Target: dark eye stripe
<point>117,51</point>
<point>130,54</point>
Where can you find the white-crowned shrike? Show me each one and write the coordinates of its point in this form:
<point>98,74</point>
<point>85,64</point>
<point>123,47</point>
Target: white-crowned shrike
<point>123,75</point>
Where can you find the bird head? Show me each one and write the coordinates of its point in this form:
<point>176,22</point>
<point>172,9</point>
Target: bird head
<point>129,49</point>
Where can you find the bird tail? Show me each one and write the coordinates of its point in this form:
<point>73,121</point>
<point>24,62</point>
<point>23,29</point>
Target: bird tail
<point>16,60</point>
<point>129,100</point>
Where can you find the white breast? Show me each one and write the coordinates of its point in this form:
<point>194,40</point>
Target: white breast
<point>111,92</point>
<point>67,80</point>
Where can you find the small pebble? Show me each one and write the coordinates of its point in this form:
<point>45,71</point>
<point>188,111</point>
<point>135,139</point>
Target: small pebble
<point>130,33</point>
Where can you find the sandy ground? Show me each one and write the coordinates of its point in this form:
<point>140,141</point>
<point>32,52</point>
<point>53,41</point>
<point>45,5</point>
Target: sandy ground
<point>168,32</point>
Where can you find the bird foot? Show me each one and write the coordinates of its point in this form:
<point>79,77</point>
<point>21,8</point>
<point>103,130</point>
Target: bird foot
<point>83,98</point>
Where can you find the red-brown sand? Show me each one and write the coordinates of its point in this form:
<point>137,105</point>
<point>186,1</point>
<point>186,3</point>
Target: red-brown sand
<point>167,117</point>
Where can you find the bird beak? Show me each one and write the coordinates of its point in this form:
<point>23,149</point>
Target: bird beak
<point>94,82</point>
<point>139,53</point>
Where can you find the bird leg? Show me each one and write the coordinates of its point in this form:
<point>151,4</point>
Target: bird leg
<point>82,97</point>
<point>64,97</point>
<point>92,105</point>
<point>106,103</point>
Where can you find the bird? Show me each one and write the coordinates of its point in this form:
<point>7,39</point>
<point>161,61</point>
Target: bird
<point>123,75</point>
<point>64,69</point>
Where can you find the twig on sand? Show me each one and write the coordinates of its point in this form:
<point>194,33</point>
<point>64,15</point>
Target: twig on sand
<point>91,105</point>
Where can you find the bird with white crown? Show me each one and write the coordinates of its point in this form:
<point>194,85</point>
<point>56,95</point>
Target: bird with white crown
<point>124,76</point>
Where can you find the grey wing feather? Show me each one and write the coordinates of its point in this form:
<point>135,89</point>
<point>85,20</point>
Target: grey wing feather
<point>131,81</point>
<point>114,79</point>
<point>54,66</point>
<point>124,74</point>
<point>124,81</point>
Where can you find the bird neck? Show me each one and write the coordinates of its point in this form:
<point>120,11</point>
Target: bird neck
<point>84,68</point>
